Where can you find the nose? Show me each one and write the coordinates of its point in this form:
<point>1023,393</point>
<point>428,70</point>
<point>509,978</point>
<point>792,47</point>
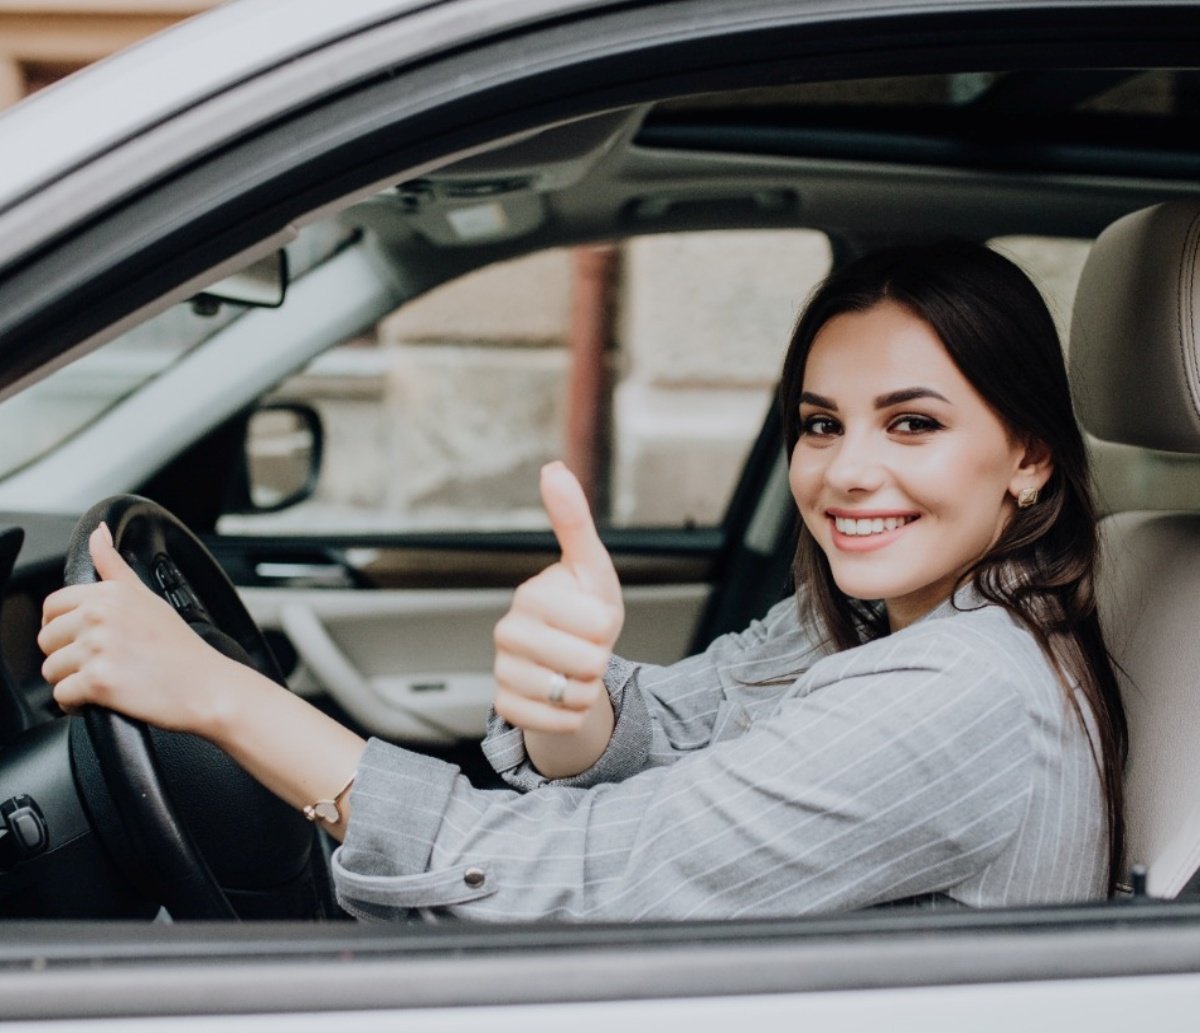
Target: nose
<point>855,465</point>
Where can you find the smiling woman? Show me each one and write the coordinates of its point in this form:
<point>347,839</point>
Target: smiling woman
<point>983,461</point>
<point>779,773</point>
<point>931,719</point>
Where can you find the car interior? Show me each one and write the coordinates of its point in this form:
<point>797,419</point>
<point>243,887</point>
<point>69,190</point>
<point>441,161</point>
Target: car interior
<point>352,615</point>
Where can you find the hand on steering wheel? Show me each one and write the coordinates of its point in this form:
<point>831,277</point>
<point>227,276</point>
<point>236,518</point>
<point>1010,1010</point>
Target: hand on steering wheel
<point>118,645</point>
<point>188,825</point>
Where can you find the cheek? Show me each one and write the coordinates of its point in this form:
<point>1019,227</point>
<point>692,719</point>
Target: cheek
<point>804,476</point>
<point>966,481</point>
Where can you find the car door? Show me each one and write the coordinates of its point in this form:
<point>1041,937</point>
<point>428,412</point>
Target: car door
<point>500,70</point>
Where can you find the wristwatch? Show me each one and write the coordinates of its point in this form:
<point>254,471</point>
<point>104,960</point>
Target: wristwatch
<point>329,810</point>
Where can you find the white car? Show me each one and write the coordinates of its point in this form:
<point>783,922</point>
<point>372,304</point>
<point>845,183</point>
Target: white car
<point>284,270</point>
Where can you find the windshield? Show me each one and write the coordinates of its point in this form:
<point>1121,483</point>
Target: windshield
<point>38,419</point>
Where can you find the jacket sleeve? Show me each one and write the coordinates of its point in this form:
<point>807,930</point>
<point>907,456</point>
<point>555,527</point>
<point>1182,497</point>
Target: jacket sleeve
<point>898,777</point>
<point>665,712</point>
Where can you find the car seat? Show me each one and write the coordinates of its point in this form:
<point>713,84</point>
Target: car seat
<point>1135,371</point>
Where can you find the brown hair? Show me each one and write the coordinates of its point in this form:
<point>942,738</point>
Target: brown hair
<point>998,332</point>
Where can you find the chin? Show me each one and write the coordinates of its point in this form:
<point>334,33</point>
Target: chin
<point>872,588</point>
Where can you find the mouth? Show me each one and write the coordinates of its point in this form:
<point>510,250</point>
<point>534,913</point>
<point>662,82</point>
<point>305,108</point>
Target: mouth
<point>867,533</point>
<point>859,527</point>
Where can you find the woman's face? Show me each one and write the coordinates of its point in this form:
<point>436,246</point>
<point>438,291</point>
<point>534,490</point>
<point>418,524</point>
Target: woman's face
<point>903,474</point>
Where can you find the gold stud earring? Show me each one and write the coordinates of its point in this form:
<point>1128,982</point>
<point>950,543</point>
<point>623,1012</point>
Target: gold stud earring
<point>1027,497</point>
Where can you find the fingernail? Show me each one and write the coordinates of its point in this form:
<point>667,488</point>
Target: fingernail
<point>105,533</point>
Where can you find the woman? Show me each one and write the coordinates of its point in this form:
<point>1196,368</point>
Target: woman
<point>932,717</point>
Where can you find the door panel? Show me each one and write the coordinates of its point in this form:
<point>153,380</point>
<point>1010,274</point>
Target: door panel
<point>415,665</point>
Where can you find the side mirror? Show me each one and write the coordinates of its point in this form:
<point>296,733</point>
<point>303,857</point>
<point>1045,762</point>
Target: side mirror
<point>281,458</point>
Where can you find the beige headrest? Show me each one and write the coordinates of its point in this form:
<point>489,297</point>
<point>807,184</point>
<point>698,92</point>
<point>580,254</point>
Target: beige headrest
<point>1135,333</point>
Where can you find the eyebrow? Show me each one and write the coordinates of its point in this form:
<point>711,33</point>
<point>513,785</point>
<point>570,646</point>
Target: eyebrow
<point>907,394</point>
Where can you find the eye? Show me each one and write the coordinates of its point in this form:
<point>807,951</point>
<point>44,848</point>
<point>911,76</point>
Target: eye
<point>819,426</point>
<point>913,424</point>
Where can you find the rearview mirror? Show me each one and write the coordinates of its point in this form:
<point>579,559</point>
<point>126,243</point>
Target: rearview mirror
<point>262,284</point>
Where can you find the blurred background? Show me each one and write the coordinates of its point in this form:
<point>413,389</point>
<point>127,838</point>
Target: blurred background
<point>43,40</point>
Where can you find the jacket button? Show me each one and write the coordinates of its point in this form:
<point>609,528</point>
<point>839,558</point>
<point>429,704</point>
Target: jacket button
<point>474,877</point>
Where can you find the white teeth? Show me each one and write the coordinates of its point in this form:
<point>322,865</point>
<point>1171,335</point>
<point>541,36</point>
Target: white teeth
<point>867,525</point>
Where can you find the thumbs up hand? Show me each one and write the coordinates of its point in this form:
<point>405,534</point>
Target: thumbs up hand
<point>117,644</point>
<point>554,644</point>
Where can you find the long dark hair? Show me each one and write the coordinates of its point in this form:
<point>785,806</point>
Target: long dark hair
<point>998,332</point>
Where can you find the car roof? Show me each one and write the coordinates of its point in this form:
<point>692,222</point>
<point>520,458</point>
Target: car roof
<point>280,59</point>
<point>105,105</point>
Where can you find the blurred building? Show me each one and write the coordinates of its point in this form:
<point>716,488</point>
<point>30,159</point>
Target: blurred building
<point>43,40</point>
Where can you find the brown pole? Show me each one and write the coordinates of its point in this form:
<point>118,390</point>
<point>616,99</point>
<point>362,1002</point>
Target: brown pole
<point>593,275</point>
<point>12,81</point>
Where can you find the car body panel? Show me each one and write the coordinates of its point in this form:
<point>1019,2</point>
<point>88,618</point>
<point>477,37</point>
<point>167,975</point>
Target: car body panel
<point>1163,1002</point>
<point>105,207</point>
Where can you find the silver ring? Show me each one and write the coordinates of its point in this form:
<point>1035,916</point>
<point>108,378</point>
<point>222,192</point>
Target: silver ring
<point>558,688</point>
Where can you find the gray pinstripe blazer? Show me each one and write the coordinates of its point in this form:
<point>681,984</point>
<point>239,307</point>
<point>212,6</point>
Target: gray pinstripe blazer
<point>761,778</point>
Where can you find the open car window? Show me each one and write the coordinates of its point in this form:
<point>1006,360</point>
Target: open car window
<point>648,363</point>
<point>437,351</point>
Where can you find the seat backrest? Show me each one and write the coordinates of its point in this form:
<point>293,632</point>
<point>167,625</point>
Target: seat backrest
<point>1149,603</point>
<point>1135,371</point>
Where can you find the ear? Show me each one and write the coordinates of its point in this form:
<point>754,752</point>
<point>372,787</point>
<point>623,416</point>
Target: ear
<point>1034,467</point>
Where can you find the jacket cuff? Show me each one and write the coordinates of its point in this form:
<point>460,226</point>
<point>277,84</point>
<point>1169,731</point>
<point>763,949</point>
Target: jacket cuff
<point>396,807</point>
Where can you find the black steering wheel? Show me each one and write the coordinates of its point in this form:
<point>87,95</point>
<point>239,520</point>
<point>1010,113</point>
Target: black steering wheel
<point>188,826</point>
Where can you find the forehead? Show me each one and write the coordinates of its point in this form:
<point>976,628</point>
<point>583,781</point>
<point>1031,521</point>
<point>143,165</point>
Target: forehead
<point>883,348</point>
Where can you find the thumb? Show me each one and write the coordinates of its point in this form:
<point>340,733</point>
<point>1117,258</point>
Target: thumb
<point>582,551</point>
<point>108,562</point>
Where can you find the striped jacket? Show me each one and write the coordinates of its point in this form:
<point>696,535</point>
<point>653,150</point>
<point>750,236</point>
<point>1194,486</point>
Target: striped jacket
<point>762,777</point>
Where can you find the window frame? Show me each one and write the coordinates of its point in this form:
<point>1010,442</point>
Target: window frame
<point>79,287</point>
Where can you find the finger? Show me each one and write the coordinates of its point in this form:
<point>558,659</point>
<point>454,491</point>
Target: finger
<point>71,693</point>
<point>522,712</point>
<point>61,631</point>
<point>583,553</point>
<point>534,682</point>
<point>554,597</point>
<point>63,601</point>
<point>64,662</point>
<point>109,563</point>
<point>553,649</point>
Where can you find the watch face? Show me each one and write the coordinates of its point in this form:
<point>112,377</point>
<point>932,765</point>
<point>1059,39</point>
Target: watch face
<point>327,810</point>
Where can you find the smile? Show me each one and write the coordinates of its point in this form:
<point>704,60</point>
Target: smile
<point>863,526</point>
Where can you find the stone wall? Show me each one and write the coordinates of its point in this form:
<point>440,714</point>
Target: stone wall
<point>447,415</point>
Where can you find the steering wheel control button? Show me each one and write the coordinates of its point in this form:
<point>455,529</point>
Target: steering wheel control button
<point>181,598</point>
<point>174,588</point>
<point>23,831</point>
<point>474,877</point>
<point>166,573</point>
